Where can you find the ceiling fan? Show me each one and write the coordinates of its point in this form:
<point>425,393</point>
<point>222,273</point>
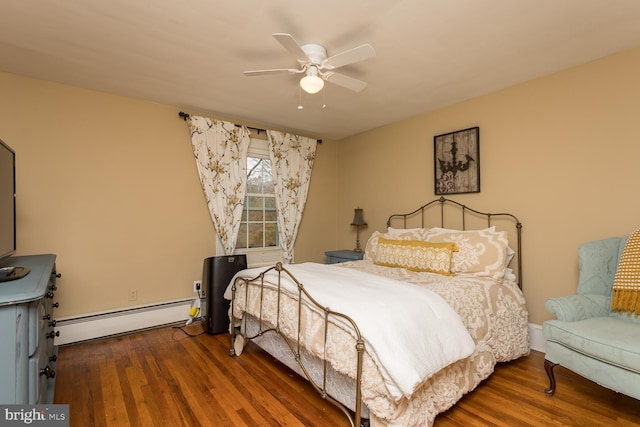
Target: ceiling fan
<point>317,67</point>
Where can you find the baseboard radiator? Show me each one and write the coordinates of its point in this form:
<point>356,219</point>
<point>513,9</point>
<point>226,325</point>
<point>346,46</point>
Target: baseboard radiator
<point>100,325</point>
<point>104,324</point>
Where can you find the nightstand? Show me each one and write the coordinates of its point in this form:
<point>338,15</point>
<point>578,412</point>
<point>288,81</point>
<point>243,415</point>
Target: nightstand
<point>335,257</point>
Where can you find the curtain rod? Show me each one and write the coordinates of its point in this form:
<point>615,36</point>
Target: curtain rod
<point>184,116</point>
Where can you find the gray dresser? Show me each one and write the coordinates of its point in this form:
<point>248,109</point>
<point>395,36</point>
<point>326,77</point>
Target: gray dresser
<point>27,351</point>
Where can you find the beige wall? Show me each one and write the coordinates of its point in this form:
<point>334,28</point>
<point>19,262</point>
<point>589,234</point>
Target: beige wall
<point>560,152</point>
<point>109,184</point>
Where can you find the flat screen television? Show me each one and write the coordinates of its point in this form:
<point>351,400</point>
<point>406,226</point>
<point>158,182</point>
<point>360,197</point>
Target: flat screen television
<point>8,213</point>
<point>7,200</point>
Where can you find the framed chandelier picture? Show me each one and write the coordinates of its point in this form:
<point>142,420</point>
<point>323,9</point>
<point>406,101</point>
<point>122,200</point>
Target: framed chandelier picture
<point>457,162</point>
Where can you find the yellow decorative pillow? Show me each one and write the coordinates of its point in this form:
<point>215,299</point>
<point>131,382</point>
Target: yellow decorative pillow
<point>371,247</point>
<point>415,255</point>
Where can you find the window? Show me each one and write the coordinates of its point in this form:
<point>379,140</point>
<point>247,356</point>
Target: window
<point>259,227</point>
<point>258,235</point>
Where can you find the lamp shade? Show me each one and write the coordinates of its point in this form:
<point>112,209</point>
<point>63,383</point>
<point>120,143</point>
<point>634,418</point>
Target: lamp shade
<point>358,219</point>
<point>311,84</point>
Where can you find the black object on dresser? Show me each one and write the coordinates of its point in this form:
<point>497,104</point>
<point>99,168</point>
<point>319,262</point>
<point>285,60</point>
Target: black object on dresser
<point>217,273</point>
<point>28,354</point>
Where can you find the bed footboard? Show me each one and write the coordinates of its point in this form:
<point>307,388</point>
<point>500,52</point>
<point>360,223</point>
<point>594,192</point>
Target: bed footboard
<point>240,337</point>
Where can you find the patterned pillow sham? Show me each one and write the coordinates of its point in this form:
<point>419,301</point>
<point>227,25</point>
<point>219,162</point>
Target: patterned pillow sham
<point>371,247</point>
<point>510,252</point>
<point>416,255</point>
<point>480,252</point>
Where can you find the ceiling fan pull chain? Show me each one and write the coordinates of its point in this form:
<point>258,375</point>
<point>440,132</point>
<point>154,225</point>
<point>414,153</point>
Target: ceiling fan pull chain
<point>324,96</point>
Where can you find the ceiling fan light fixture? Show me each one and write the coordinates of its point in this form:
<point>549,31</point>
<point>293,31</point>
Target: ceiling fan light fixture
<point>311,83</point>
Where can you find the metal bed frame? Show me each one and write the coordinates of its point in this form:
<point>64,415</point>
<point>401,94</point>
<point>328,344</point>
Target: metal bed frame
<point>294,344</point>
<point>465,211</point>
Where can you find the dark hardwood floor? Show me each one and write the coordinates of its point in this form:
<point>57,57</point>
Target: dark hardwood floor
<point>163,377</point>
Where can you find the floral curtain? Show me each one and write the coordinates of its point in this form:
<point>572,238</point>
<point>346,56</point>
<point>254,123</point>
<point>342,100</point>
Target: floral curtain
<point>220,149</point>
<point>291,163</point>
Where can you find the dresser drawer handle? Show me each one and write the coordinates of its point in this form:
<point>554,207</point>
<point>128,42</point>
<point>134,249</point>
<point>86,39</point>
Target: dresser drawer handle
<point>48,372</point>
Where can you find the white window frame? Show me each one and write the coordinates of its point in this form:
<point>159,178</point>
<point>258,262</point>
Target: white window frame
<point>256,257</point>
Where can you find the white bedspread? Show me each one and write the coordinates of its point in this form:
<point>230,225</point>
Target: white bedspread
<point>410,331</point>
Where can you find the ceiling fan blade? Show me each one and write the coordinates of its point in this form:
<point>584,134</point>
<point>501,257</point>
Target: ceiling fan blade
<point>291,45</point>
<point>344,81</point>
<point>270,72</point>
<point>350,56</point>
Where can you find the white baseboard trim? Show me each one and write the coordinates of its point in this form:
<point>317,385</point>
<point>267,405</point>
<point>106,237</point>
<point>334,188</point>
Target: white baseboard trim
<point>104,324</point>
<point>536,338</point>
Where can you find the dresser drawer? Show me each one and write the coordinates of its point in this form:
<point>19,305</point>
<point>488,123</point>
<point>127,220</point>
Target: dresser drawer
<point>37,382</point>
<point>37,328</point>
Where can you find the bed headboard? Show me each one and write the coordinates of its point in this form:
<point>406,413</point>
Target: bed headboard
<point>448,213</point>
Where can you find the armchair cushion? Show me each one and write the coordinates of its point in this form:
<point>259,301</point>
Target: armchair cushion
<point>607,339</point>
<point>578,307</point>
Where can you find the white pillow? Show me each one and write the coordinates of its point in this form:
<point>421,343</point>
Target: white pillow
<point>391,230</point>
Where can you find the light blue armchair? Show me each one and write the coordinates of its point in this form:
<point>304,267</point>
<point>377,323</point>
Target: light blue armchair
<point>587,337</point>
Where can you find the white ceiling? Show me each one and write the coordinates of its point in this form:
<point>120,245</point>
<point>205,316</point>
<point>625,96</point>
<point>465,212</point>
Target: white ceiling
<point>191,54</point>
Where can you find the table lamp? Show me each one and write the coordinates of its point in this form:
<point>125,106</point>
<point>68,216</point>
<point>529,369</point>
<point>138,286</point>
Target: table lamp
<point>358,221</point>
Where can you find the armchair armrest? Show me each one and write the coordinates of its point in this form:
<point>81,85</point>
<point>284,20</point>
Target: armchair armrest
<point>579,307</point>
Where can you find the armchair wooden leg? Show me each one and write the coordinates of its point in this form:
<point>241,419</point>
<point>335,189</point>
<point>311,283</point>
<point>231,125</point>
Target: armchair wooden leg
<point>548,367</point>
